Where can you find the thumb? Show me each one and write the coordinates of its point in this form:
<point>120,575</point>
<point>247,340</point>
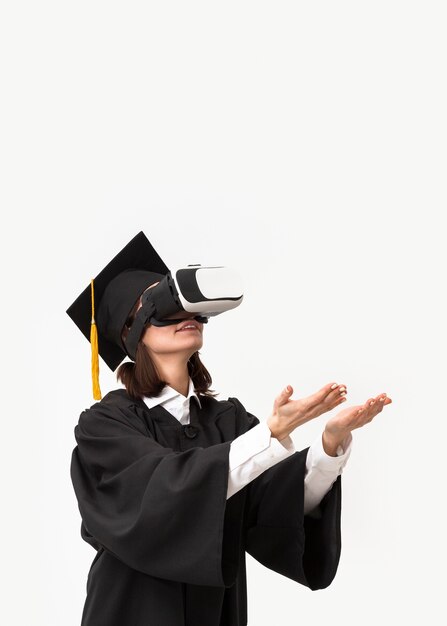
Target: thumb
<point>283,397</point>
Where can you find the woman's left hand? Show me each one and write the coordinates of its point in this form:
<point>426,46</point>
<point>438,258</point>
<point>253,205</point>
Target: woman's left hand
<point>348,419</point>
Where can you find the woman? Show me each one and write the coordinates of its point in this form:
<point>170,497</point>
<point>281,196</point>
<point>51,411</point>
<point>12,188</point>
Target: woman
<point>174,486</point>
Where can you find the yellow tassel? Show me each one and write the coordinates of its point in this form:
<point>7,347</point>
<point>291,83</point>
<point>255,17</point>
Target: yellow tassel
<point>94,344</point>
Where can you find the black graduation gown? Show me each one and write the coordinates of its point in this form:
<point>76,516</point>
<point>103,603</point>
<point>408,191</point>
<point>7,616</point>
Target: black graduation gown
<point>170,546</point>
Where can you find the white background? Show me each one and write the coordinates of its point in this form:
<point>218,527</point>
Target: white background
<point>303,143</point>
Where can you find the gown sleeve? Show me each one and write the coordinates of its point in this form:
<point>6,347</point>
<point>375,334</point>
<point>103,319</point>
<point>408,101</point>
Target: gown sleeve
<point>159,511</point>
<point>301,547</point>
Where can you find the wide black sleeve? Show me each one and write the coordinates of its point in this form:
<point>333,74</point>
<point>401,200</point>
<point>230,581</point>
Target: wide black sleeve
<point>278,534</point>
<point>157,510</point>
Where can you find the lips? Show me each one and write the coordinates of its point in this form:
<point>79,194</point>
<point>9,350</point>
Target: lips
<point>189,323</point>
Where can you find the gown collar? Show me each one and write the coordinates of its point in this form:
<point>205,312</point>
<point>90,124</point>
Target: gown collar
<point>170,396</point>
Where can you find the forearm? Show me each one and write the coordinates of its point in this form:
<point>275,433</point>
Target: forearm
<point>322,470</point>
<point>254,452</point>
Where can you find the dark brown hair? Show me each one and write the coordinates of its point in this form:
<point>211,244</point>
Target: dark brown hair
<point>141,377</point>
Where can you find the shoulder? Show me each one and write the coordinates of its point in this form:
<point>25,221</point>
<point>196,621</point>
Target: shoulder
<point>231,408</point>
<point>115,408</point>
<point>118,398</point>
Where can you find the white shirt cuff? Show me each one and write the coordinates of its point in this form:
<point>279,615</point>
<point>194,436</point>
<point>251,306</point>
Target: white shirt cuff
<point>322,470</point>
<point>318,459</point>
<point>254,452</point>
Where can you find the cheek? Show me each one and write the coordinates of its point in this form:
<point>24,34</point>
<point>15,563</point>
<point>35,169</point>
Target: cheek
<point>155,337</point>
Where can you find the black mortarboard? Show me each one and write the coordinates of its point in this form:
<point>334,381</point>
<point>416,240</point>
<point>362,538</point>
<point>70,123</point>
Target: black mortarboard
<point>116,290</point>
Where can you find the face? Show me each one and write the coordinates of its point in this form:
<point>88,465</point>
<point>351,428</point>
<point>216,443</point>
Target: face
<point>174,338</point>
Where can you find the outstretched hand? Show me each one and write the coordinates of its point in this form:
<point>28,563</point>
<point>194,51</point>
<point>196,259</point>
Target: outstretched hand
<point>289,414</point>
<point>340,426</point>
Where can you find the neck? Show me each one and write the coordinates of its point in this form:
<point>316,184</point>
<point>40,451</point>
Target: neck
<point>174,371</point>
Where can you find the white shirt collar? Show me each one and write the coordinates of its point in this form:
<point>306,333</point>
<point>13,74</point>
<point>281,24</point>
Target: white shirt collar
<point>169,394</point>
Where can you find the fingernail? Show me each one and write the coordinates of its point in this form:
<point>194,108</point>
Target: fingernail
<point>334,385</point>
<point>371,403</point>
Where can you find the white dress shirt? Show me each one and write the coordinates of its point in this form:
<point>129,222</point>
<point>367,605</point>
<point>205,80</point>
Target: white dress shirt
<point>256,450</point>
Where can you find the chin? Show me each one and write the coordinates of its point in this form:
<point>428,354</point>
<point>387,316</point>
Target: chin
<point>193,342</point>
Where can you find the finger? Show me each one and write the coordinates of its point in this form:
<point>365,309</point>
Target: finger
<point>330,403</point>
<point>323,400</point>
<point>327,398</point>
<point>284,396</point>
<point>369,401</point>
<point>329,393</point>
<point>336,388</point>
<point>337,395</point>
<point>371,408</point>
<point>338,391</point>
<point>383,398</point>
<point>379,401</point>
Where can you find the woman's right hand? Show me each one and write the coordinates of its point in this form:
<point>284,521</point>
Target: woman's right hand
<point>289,414</point>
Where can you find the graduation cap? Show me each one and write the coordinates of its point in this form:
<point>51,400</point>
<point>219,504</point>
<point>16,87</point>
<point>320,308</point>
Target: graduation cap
<point>113,294</point>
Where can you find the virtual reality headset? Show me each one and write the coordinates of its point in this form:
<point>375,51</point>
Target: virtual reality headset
<point>200,290</point>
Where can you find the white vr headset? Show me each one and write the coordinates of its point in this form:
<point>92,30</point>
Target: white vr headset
<point>202,291</point>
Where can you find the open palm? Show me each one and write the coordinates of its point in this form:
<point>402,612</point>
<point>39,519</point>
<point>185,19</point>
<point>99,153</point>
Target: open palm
<point>353,417</point>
